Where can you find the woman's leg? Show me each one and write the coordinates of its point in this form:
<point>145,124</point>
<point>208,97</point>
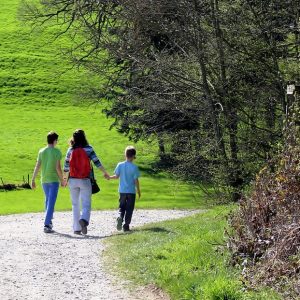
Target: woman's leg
<point>52,196</point>
<point>86,198</point>
<point>75,192</point>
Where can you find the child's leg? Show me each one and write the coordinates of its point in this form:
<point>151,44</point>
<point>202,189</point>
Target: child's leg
<point>52,195</point>
<point>74,191</point>
<point>130,202</point>
<point>122,205</point>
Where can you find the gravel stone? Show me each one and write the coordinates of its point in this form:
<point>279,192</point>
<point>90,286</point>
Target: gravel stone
<point>61,265</point>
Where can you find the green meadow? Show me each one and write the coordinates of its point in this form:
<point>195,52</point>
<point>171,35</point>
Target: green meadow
<point>38,88</point>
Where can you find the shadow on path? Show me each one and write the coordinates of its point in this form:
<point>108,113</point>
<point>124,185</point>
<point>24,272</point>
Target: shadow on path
<point>100,237</point>
<point>155,229</point>
<point>80,237</point>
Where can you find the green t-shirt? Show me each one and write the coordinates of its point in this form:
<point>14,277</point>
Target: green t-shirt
<point>48,157</point>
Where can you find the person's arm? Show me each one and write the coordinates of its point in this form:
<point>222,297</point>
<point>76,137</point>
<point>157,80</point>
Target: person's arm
<point>137,182</point>
<point>106,175</point>
<point>59,173</point>
<point>137,185</point>
<point>35,172</point>
<point>67,167</point>
<point>94,158</point>
<point>65,178</point>
<point>116,173</point>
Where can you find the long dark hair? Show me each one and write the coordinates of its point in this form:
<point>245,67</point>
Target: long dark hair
<point>78,139</point>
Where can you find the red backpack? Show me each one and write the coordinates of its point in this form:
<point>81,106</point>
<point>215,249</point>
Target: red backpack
<point>79,164</point>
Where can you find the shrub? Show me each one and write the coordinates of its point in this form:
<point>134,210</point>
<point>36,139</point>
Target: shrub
<point>265,239</point>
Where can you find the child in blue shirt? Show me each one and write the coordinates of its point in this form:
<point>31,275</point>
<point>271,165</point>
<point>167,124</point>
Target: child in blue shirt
<point>129,174</point>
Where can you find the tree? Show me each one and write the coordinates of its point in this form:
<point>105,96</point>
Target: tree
<point>265,228</point>
<point>204,78</point>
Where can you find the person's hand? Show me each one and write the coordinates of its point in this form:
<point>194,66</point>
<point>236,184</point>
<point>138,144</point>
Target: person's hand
<point>106,175</point>
<point>139,193</point>
<point>33,185</point>
<point>64,183</point>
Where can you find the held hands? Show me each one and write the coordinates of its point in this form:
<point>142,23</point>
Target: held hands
<point>64,183</point>
<point>106,176</point>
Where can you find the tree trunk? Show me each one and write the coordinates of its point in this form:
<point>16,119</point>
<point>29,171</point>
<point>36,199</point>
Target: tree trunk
<point>235,179</point>
<point>161,147</point>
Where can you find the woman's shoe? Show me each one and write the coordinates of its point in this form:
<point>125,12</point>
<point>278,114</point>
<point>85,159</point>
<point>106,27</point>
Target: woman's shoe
<point>83,224</point>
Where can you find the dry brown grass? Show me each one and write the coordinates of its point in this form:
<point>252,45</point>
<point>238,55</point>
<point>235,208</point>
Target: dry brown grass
<point>265,239</point>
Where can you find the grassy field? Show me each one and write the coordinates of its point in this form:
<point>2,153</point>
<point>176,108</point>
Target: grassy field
<point>187,258</point>
<point>37,90</point>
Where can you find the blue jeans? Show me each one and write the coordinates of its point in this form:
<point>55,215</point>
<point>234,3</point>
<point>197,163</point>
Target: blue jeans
<point>51,191</point>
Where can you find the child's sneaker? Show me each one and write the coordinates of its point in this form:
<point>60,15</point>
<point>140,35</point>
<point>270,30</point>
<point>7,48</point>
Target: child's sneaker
<point>47,229</point>
<point>126,228</point>
<point>83,224</point>
<point>119,223</point>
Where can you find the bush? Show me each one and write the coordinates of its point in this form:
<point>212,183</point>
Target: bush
<point>265,239</point>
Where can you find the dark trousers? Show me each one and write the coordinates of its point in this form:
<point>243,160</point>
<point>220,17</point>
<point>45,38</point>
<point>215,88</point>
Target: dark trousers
<point>126,207</point>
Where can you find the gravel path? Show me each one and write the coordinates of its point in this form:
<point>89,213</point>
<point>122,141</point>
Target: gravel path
<point>61,265</point>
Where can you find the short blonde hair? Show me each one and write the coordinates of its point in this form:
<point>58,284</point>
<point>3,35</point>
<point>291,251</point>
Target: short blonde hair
<point>130,152</point>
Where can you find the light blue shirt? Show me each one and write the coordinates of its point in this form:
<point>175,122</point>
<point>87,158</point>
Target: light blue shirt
<point>128,173</point>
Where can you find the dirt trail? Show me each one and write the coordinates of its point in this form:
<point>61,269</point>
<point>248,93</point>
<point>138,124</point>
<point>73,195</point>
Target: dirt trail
<point>61,265</point>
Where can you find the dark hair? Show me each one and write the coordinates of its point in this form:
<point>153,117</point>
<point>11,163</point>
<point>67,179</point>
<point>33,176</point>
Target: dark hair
<point>52,137</point>
<point>130,152</point>
<point>78,139</point>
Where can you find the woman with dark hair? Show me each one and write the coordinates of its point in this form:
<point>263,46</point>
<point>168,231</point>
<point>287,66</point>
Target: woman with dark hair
<point>77,168</point>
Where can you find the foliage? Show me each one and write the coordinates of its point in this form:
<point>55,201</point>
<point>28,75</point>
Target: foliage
<point>204,78</point>
<point>266,233</point>
<point>34,62</point>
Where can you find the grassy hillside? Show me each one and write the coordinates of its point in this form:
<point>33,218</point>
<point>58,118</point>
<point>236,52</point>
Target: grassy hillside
<point>32,70</point>
<point>37,88</point>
